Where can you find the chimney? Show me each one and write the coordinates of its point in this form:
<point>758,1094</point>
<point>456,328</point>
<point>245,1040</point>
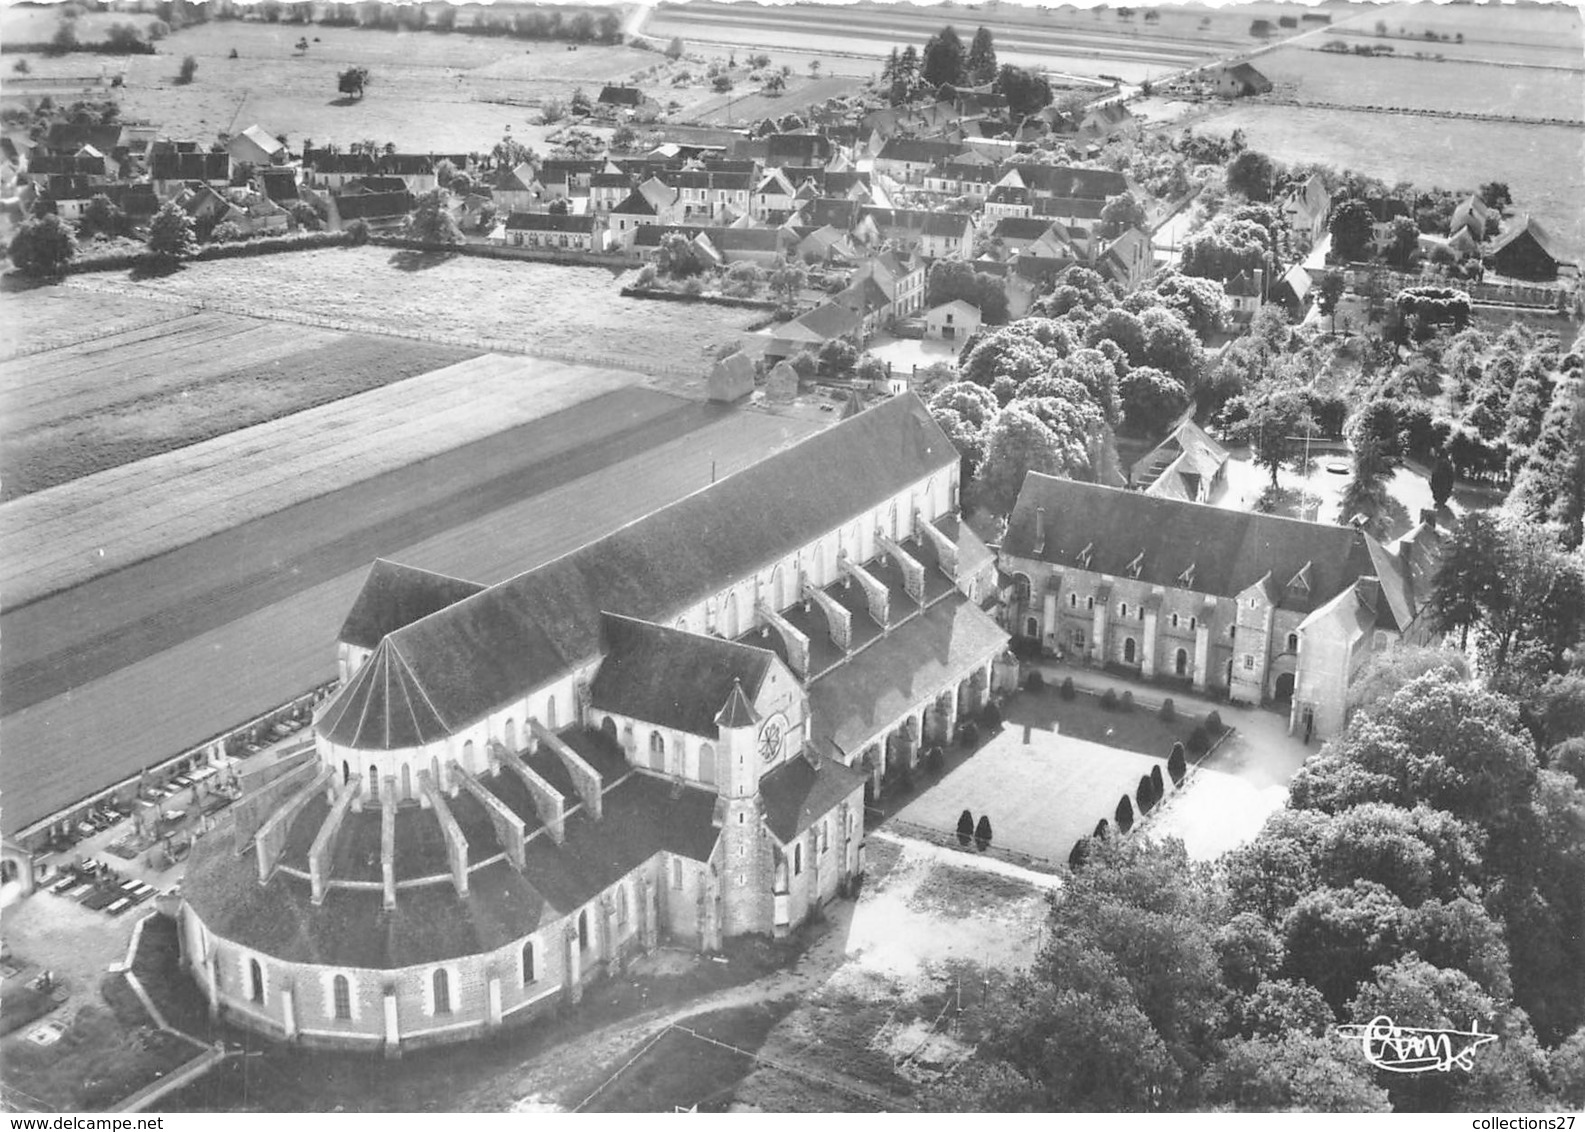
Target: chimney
<point>1428,517</point>
<point>1369,590</point>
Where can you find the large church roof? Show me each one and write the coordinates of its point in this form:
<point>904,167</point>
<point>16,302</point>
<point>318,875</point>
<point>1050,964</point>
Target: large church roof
<point>383,707</point>
<point>394,595</point>
<point>673,678</point>
<point>489,649</point>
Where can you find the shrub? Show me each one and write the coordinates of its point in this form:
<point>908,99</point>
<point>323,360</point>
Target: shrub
<point>1103,830</point>
<point>171,234</point>
<point>1168,712</point>
<point>1157,786</point>
<point>935,760</point>
<point>1080,854</point>
<point>227,233</point>
<point>1067,688</point>
<point>965,828</point>
<point>1125,814</point>
<point>991,716</point>
<point>1213,724</point>
<point>1126,703</point>
<point>1144,794</point>
<point>693,286</point>
<point>1177,765</point>
<point>42,247</point>
<point>188,69</point>
<point>1035,681</point>
<point>969,734</point>
<point>982,834</point>
<point>646,276</point>
<point>357,233</point>
<point>1199,741</point>
<point>1109,700</point>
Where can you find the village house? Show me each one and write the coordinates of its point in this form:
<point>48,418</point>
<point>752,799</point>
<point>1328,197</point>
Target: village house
<point>1239,80</point>
<point>548,230</point>
<point>1525,250</point>
<point>677,755</point>
<point>1258,607</point>
<point>377,210</point>
<point>615,101</point>
<point>171,172</point>
<point>909,159</point>
<point>1128,260</point>
<point>651,203</point>
<point>518,189</point>
<point>1186,465</point>
<point>1244,296</point>
<point>607,190</point>
<point>902,278</point>
<point>255,146</point>
<point>952,321</point>
<point>1006,202</point>
<point>1470,216</point>
<point>1308,207</point>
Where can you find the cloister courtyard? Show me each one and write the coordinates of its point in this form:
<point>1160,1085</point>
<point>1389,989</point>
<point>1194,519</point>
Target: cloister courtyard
<point>1057,766</point>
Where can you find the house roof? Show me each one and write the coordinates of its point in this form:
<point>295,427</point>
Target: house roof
<point>918,151</point>
<point>957,306</point>
<point>383,707</point>
<point>491,648</point>
<point>1245,73</point>
<point>635,204</point>
<point>1297,280</point>
<point>673,678</point>
<point>550,222</point>
<point>797,794</point>
<point>1069,181</point>
<point>374,206</point>
<point>1241,286</point>
<point>831,320</point>
<point>621,96</point>
<point>1526,225</point>
<point>263,139</point>
<point>1021,227</point>
<point>394,595</point>
<point>1073,208</point>
<point>279,186</point>
<point>190,166</point>
<point>1229,550</point>
<point>838,212</point>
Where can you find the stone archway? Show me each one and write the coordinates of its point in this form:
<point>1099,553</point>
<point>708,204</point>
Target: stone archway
<point>1284,687</point>
<point>1180,664</point>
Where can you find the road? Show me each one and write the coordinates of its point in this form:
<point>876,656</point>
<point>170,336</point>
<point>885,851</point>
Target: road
<point>259,627</point>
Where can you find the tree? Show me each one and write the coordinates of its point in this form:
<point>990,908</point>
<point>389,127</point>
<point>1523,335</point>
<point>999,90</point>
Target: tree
<point>1403,242</point>
<point>1124,814</point>
<point>124,39</point>
<point>187,70</point>
<point>352,81</point>
<point>1550,487</point>
<point>1017,442</point>
<point>1177,765</point>
<point>1277,421</point>
<point>1251,175</point>
<point>1122,212</point>
<point>1350,226</point>
<point>981,65</point>
<point>943,59</point>
<point>580,102</point>
<point>1026,91</point>
<point>965,828</point>
<point>674,49</point>
<point>982,833</point>
<point>1329,292</point>
<point>171,236</point>
<point>1442,480</point>
<point>1496,195</point>
<point>431,221</point>
<point>64,40</point>
<point>103,216</point>
<point>1291,1072</point>
<point>1151,400</point>
<point>42,247</point>
<point>787,280</point>
<point>678,257</point>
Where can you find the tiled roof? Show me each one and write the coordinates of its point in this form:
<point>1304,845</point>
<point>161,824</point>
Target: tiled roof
<point>383,707</point>
<point>1068,181</point>
<point>670,677</point>
<point>190,166</point>
<point>394,595</point>
<point>919,151</point>
<point>621,96</point>
<point>551,222</point>
<point>635,204</point>
<point>797,794</point>
<point>365,206</point>
<point>492,648</point>
<point>1021,228</point>
<point>1229,550</point>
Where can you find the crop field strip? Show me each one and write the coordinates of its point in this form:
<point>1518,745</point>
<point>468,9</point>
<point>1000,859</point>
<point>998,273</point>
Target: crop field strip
<point>61,537</point>
<point>153,708</point>
<point>75,412</point>
<point>51,318</point>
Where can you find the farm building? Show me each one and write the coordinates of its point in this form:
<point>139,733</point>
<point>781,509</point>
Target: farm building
<point>518,788</point>
<point>1470,216</point>
<point>1239,80</point>
<point>1292,290</point>
<point>170,172</point>
<point>256,146</point>
<point>383,210</point>
<point>1243,293</point>
<point>1186,465</point>
<point>952,322</point>
<point>1263,608</point>
<point>731,378</point>
<point>616,99</point>
<point>1525,251</point>
<point>548,230</point>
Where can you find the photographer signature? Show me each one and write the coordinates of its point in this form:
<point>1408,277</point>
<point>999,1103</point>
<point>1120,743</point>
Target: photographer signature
<point>1409,1049</point>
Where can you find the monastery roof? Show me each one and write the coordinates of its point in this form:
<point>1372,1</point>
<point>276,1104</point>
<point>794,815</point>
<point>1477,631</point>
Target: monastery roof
<point>1229,550</point>
<point>491,648</point>
<point>670,677</point>
<point>797,794</point>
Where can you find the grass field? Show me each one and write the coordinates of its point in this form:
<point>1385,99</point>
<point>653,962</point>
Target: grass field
<point>852,38</point>
<point>1545,165</point>
<point>71,412</point>
<point>1423,84</point>
<point>428,92</point>
<point>535,307</point>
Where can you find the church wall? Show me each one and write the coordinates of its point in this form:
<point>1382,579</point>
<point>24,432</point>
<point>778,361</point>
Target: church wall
<point>683,884</point>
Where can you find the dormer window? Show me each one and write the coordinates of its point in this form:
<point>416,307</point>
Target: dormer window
<point>1136,565</point>
<point>1186,579</point>
<point>1086,554</point>
<point>1300,582</point>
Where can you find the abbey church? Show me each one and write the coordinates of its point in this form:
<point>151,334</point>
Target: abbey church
<point>666,735</point>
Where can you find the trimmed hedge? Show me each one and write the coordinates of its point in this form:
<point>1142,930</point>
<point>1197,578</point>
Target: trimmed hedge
<point>934,760</point>
<point>1035,681</point>
<point>1067,688</point>
<point>1109,700</point>
<point>1126,702</point>
<point>982,833</point>
<point>969,733</point>
<point>1168,712</point>
<point>1145,794</point>
<point>1213,725</point>
<point>1177,765</point>
<point>1157,786</point>
<point>1125,814</point>
<point>991,716</point>
<point>1199,740</point>
<point>1080,853</point>
<point>1103,830</point>
<point>965,828</point>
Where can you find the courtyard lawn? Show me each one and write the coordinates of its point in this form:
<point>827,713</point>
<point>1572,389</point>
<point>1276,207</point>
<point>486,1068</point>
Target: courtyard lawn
<point>1141,730</point>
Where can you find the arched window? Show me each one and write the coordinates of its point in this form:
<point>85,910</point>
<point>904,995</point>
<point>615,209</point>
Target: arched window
<point>442,983</point>
<point>583,930</point>
<point>1174,620</point>
<point>608,728</point>
<point>798,858</point>
<point>707,763</point>
<point>528,963</point>
<point>467,759</point>
<point>621,906</point>
<point>657,751</point>
<point>374,783</point>
<point>1124,611</point>
<point>1089,602</point>
<point>1073,601</point>
<point>1021,589</point>
<point>1232,632</point>
<point>1032,627</point>
<point>1128,651</point>
<point>1194,623</point>
<point>341,994</point>
<point>1293,642</point>
<point>550,712</point>
<point>509,735</point>
<point>1181,664</point>
<point>346,772</point>
<point>255,981</point>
